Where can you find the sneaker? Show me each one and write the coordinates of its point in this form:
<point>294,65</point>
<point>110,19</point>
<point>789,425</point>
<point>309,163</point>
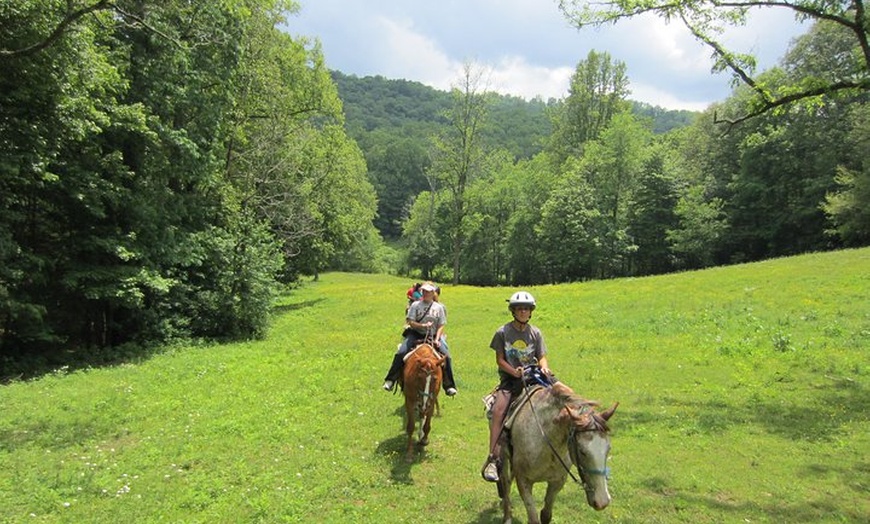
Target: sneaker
<point>450,391</point>
<point>388,385</point>
<point>490,471</point>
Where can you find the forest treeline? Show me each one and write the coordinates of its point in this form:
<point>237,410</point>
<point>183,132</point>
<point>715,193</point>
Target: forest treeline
<point>504,191</point>
<point>167,168</point>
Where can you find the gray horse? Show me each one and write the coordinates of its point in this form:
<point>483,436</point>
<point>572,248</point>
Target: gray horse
<point>550,430</point>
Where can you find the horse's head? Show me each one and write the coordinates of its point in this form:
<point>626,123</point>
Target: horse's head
<point>589,446</point>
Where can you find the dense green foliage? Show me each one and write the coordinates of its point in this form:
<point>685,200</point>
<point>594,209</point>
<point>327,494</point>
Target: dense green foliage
<point>163,168</point>
<point>606,196</point>
<point>393,121</point>
<point>744,397</point>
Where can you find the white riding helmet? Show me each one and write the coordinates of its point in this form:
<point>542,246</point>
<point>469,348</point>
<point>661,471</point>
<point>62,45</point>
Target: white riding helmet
<point>521,298</point>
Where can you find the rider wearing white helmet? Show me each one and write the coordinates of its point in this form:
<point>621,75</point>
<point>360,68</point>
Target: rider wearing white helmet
<point>517,344</point>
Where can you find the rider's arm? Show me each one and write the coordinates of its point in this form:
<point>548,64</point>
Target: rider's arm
<point>544,365</point>
<point>505,366</point>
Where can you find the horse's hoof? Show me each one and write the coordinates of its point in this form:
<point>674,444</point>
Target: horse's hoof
<point>546,516</point>
<point>424,441</point>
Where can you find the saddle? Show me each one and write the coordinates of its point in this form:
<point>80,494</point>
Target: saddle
<point>534,380</point>
<point>516,403</point>
<point>420,342</point>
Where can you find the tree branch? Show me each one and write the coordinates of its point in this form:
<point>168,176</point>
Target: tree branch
<point>699,17</point>
<point>771,104</point>
<point>61,28</point>
<point>74,16</point>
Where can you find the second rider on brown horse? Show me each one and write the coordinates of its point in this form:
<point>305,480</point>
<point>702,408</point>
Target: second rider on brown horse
<point>426,319</point>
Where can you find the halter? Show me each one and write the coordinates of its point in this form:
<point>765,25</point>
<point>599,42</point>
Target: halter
<point>571,448</point>
<point>573,452</point>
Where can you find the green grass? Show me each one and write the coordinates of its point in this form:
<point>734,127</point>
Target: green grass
<point>744,397</point>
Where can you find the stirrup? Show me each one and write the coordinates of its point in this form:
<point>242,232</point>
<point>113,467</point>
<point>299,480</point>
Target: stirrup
<point>490,470</point>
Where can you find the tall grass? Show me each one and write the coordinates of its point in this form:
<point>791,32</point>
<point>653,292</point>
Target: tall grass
<point>744,397</point>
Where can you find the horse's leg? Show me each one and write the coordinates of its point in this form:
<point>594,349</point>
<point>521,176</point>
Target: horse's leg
<point>504,488</point>
<point>409,428</point>
<point>553,488</point>
<point>424,430</point>
<point>524,486</point>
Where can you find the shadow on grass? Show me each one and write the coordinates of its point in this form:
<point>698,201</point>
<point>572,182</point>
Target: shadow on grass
<point>764,508</point>
<point>38,364</point>
<point>284,308</point>
<point>494,513</point>
<point>394,449</point>
<point>52,434</point>
<point>818,418</point>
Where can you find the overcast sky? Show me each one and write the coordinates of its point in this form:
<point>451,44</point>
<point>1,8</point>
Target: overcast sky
<point>528,46</point>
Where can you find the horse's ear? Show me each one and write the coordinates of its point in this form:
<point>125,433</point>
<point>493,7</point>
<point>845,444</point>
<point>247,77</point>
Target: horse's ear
<point>609,413</point>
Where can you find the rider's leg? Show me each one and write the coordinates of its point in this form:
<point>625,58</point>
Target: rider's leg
<point>449,381</point>
<point>398,359</point>
<point>499,410</point>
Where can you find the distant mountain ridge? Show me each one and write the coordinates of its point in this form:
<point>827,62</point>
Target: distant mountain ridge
<point>377,103</point>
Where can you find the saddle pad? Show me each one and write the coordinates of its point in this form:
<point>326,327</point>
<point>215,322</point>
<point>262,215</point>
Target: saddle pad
<point>409,353</point>
<point>518,403</point>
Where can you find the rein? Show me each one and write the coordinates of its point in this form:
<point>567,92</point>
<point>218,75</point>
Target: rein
<point>571,450</point>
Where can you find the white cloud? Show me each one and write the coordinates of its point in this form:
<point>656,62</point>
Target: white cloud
<point>529,47</point>
<point>515,76</point>
<point>658,97</point>
<point>408,54</point>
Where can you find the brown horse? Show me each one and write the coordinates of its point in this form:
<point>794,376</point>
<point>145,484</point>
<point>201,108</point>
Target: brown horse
<point>421,382</point>
<point>552,428</point>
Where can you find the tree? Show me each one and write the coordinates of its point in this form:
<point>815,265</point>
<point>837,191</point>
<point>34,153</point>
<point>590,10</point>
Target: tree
<point>848,206</point>
<point>157,161</point>
<point>613,165</point>
<point>597,93</point>
<point>701,226</point>
<point>530,184</point>
<point>458,153</point>
<point>420,231</point>
<point>491,199</point>
<point>653,211</point>
<point>397,167</point>
<point>709,18</point>
<point>570,228</point>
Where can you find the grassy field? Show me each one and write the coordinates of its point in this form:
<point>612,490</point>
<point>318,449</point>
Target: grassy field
<point>744,398</point>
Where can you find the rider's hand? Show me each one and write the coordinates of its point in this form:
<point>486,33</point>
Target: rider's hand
<point>547,372</point>
<point>518,372</point>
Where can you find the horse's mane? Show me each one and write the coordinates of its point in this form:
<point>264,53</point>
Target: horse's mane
<point>567,397</point>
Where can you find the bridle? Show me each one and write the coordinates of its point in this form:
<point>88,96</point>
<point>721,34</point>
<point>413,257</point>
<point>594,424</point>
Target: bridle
<point>426,394</point>
<point>572,450</point>
<point>572,446</point>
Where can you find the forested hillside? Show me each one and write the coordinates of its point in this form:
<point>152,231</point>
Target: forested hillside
<point>395,119</point>
<point>520,126</point>
<point>589,188</point>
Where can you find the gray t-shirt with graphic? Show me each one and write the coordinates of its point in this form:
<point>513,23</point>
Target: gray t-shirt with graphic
<point>521,348</point>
